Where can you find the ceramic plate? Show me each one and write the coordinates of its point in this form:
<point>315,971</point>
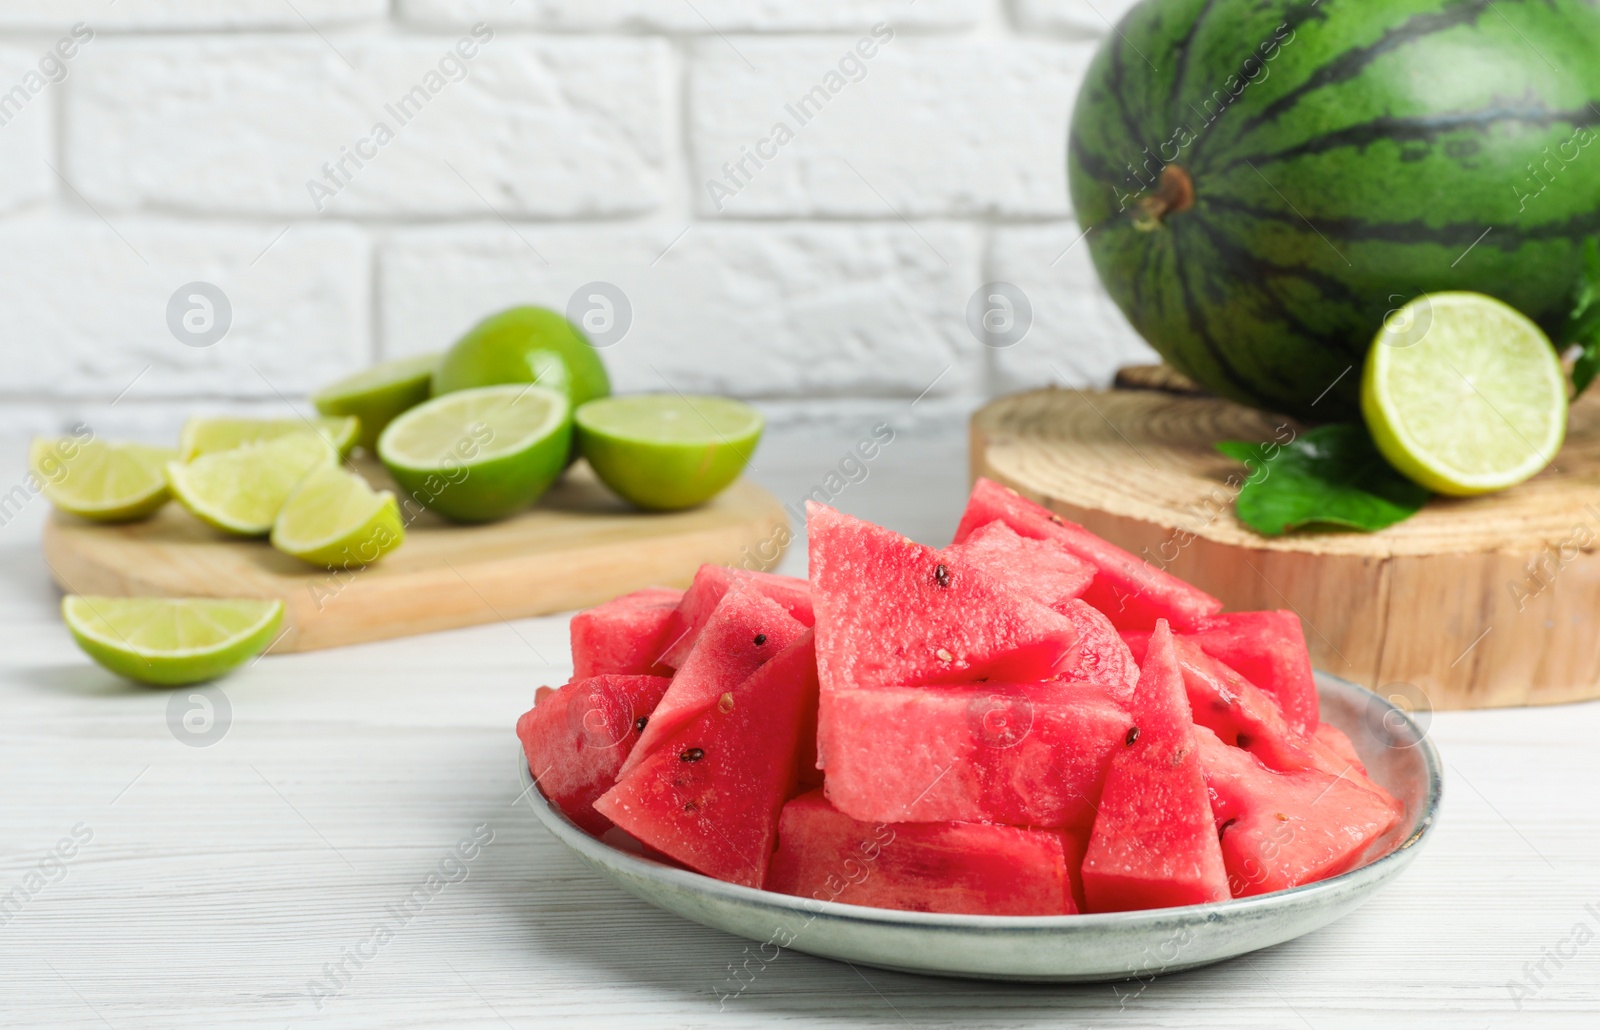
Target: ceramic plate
<point>1065,949</point>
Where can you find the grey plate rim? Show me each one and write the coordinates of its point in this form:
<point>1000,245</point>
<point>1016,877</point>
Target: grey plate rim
<point>1393,718</point>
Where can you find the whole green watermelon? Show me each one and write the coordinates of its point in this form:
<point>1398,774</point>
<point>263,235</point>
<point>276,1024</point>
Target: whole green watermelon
<point>1263,180</point>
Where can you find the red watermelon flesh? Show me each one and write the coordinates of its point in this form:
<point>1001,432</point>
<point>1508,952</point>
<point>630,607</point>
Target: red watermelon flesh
<point>1268,649</point>
<point>1102,655</point>
<point>577,738</point>
<point>1281,830</point>
<point>1154,842</point>
<point>1132,592</point>
<point>710,583</point>
<point>746,629</point>
<point>1033,568</point>
<point>1334,739</point>
<point>1024,754</point>
<point>624,637</point>
<point>709,795</point>
<point>970,868</point>
<point>891,612</point>
<point>1240,713</point>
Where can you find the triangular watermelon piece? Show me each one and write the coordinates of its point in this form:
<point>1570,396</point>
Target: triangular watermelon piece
<point>971,868</point>
<point>1154,843</point>
<point>891,612</point>
<point>1132,592</point>
<point>1241,713</point>
<point>710,795</point>
<point>1335,740</point>
<point>1031,754</point>
<point>710,583</point>
<point>1281,830</point>
<point>745,630</point>
<point>1101,654</point>
<point>577,738</point>
<point>625,636</point>
<point>1268,649</point>
<point>1035,569</point>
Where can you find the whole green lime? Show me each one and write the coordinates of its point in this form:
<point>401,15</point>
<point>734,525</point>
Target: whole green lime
<point>525,345</point>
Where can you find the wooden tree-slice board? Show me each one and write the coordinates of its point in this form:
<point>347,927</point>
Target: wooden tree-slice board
<point>1478,603</point>
<point>578,547</point>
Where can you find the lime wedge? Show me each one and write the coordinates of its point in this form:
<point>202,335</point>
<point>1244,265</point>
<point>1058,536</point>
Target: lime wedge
<point>379,394</point>
<point>170,641</point>
<point>1464,395</point>
<point>242,490</point>
<point>334,519</point>
<point>483,454</point>
<point>210,435</point>
<point>664,452</point>
<point>99,480</point>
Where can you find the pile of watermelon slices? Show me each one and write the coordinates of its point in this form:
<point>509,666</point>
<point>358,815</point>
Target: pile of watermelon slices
<point>1029,722</point>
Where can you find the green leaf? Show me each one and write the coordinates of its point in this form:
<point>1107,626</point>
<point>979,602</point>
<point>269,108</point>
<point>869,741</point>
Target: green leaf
<point>1583,325</point>
<point>1330,477</point>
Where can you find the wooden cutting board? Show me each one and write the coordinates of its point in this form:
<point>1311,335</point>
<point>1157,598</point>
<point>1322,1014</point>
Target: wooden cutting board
<point>578,547</point>
<point>1477,603</point>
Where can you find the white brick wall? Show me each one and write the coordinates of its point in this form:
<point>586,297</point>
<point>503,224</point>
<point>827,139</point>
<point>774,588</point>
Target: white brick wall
<point>549,144</point>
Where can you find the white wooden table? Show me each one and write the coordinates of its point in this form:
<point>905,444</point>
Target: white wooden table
<point>218,886</point>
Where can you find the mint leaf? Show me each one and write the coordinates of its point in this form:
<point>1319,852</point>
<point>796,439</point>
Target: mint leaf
<point>1583,325</point>
<point>1330,477</point>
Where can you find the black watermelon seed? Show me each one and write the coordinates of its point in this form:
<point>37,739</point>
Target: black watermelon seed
<point>761,638</point>
<point>1245,740</point>
<point>694,754</point>
<point>941,575</point>
<point>1133,735</point>
<point>641,722</point>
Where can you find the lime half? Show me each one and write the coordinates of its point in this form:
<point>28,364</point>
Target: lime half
<point>209,435</point>
<point>242,490</point>
<point>171,641</point>
<point>95,479</point>
<point>334,519</point>
<point>379,394</point>
<point>479,455</point>
<point>1464,395</point>
<point>664,452</point>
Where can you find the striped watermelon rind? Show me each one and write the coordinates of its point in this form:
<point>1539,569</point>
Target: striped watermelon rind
<point>1325,163</point>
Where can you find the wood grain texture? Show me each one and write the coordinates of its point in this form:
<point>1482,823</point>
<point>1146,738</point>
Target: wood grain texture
<point>578,547</point>
<point>1487,602</point>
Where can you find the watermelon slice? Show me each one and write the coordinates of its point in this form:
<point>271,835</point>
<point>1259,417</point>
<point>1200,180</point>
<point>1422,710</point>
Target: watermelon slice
<point>1269,650</point>
<point>968,868</point>
<point>1334,739</point>
<point>1024,754</point>
<point>1154,843</point>
<point>1102,655</point>
<point>710,794</point>
<point>1281,830</point>
<point>1242,714</point>
<point>891,612</point>
<point>1032,568</point>
<point>576,739</point>
<point>1132,592</point>
<point>625,636</point>
<point>746,629</point>
<point>710,583</point>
